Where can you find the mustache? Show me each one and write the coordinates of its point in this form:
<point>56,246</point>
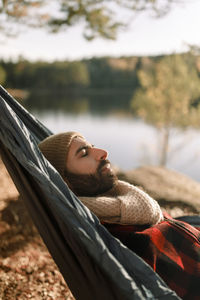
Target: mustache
<point>102,164</point>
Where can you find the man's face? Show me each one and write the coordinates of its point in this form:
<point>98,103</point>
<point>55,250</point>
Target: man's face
<point>87,169</point>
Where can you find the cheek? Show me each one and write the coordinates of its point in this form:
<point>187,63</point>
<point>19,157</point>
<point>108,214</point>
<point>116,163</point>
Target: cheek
<point>86,166</point>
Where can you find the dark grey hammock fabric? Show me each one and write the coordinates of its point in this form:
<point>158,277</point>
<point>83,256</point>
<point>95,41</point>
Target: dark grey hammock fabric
<point>94,264</point>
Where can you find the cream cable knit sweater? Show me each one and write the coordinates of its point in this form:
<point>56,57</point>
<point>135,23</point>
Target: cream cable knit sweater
<point>125,204</point>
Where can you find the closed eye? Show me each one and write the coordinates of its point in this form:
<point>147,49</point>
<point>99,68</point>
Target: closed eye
<point>84,150</point>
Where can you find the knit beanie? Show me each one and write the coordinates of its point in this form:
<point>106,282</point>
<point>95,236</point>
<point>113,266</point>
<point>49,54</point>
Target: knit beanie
<point>55,148</point>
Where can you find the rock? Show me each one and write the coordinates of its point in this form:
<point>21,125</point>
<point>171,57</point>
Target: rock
<point>168,187</point>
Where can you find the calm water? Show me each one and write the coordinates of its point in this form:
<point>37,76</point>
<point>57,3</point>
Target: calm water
<point>130,142</point>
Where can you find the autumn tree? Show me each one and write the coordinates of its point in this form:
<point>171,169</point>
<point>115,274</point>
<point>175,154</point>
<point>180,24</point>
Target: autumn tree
<point>168,89</point>
<point>98,16</point>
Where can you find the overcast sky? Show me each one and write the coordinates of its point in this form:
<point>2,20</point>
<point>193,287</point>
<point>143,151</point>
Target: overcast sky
<point>145,36</point>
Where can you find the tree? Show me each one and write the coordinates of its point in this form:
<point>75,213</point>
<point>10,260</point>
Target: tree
<point>76,74</point>
<point>99,16</point>
<point>168,89</point>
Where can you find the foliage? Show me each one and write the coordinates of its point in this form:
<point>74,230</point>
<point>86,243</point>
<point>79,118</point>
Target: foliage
<point>168,89</point>
<point>16,12</point>
<point>106,73</point>
<point>98,16</point>
<point>49,76</point>
<point>112,73</point>
<point>71,83</point>
<point>76,73</point>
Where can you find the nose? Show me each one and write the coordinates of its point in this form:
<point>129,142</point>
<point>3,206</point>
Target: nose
<point>100,154</point>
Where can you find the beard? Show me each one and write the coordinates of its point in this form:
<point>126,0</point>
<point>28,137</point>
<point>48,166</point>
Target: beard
<point>91,184</point>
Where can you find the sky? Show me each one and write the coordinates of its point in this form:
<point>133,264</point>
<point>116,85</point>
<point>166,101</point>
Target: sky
<point>145,36</point>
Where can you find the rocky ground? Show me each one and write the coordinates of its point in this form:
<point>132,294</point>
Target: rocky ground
<point>27,270</point>
<point>176,193</point>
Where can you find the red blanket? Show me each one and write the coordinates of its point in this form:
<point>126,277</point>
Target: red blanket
<point>171,248</point>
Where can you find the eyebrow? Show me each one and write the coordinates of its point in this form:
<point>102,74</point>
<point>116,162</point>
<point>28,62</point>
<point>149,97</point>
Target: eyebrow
<point>83,147</point>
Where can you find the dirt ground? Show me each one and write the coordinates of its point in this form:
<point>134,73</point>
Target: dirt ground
<point>27,270</point>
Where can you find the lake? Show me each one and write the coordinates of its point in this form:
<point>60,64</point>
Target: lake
<point>130,142</point>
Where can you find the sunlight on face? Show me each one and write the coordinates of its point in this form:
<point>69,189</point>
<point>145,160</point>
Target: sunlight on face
<point>88,172</point>
<point>84,158</point>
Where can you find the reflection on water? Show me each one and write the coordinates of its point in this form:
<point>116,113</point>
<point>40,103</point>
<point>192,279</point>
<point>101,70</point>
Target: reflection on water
<point>81,101</point>
<point>130,142</point>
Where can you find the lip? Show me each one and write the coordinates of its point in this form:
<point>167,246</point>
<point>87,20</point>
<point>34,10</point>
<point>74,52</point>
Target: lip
<point>106,167</point>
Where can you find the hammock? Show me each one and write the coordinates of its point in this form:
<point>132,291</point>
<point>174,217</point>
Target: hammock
<point>94,264</point>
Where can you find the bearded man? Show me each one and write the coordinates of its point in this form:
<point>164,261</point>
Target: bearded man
<point>89,174</point>
<point>171,247</point>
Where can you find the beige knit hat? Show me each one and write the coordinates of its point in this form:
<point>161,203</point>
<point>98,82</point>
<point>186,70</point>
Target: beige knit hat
<point>55,148</point>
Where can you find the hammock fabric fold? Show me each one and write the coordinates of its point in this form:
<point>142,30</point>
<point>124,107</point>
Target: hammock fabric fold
<point>94,264</point>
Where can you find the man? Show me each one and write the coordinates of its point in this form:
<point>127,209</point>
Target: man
<point>169,246</point>
<point>89,174</point>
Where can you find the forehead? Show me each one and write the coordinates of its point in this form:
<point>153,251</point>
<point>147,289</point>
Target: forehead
<point>76,144</point>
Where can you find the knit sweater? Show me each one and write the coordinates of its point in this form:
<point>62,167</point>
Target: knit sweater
<point>125,204</point>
